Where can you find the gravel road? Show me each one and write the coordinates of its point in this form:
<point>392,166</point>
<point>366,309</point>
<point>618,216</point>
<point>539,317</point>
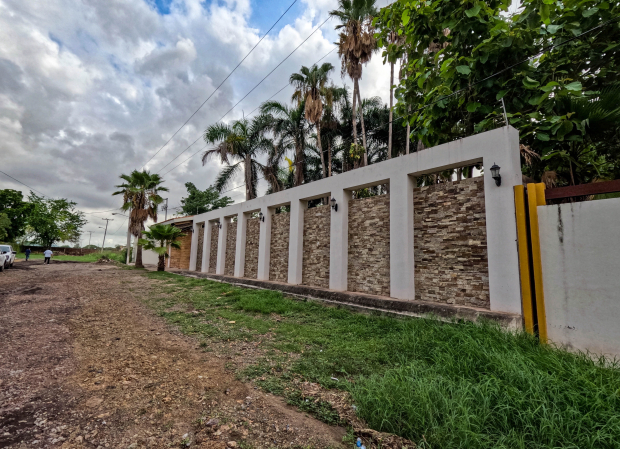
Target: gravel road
<point>85,364</point>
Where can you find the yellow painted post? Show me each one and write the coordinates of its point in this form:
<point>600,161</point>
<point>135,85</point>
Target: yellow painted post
<point>524,259</point>
<point>536,197</point>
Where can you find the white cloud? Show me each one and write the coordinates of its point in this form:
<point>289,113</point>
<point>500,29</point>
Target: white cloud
<point>92,89</point>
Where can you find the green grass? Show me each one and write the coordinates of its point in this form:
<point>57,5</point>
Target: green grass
<point>92,257</point>
<point>442,385</point>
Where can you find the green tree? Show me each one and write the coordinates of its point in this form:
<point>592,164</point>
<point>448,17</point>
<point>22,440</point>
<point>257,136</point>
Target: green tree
<point>52,221</point>
<point>452,47</point>
<point>291,129</point>
<point>201,201</point>
<point>5,226</point>
<point>158,238</point>
<point>310,87</point>
<point>356,45</point>
<point>141,196</point>
<point>14,206</point>
<point>238,145</point>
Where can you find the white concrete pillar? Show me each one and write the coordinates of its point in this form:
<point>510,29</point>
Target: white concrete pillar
<point>264,245</point>
<point>402,282</point>
<point>193,255</point>
<point>206,249</point>
<point>296,242</point>
<point>221,246</point>
<point>169,254</point>
<point>242,227</point>
<point>503,257</point>
<point>339,241</point>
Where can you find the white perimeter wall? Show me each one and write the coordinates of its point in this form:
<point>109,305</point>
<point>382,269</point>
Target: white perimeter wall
<point>580,248</point>
<point>149,257</point>
<point>499,146</point>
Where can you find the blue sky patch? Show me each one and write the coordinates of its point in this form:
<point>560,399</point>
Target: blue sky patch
<point>161,6</point>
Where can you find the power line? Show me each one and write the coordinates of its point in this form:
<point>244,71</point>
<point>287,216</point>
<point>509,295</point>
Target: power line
<point>220,85</point>
<point>15,179</point>
<point>255,109</point>
<point>251,90</point>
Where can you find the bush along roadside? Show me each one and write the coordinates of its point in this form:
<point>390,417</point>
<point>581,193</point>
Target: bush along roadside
<point>437,384</point>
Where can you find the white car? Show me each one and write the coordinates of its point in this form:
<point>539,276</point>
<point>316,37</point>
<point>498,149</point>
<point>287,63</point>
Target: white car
<point>3,259</point>
<point>7,251</point>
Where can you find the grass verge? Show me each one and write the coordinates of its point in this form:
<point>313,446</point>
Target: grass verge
<point>439,384</point>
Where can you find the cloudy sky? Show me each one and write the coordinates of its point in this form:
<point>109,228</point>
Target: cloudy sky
<point>91,89</point>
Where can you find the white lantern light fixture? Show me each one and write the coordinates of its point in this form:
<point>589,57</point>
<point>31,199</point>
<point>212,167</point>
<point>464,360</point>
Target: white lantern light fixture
<point>495,174</point>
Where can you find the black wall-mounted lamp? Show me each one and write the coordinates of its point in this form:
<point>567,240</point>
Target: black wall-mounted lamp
<point>261,217</point>
<point>495,174</point>
<point>219,225</point>
<point>334,205</point>
<point>203,226</point>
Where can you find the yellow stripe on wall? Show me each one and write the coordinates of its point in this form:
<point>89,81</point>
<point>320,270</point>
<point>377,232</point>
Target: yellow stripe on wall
<point>524,259</point>
<point>536,197</point>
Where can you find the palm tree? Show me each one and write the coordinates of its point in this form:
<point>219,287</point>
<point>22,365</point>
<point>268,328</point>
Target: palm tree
<point>140,195</point>
<point>310,87</point>
<point>291,128</point>
<point>238,145</point>
<point>355,47</point>
<point>157,239</point>
<point>335,97</point>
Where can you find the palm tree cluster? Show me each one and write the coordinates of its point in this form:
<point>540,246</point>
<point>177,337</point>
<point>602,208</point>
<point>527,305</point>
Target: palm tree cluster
<point>319,129</point>
<point>140,191</point>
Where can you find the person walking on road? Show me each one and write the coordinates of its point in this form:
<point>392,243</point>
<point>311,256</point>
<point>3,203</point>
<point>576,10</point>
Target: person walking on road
<point>48,255</point>
<point>27,254</point>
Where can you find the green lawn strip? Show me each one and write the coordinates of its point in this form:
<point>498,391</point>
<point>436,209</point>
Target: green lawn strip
<point>92,257</point>
<point>439,384</point>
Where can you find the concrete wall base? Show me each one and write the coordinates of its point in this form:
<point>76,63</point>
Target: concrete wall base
<point>372,303</point>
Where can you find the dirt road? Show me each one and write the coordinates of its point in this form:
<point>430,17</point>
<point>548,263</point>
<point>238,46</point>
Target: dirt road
<point>84,363</point>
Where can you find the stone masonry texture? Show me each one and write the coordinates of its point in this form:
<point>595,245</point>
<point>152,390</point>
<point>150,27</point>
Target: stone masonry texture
<point>179,258</point>
<point>215,234</point>
<point>201,240</point>
<point>369,245</point>
<point>231,246</point>
<point>251,248</point>
<point>315,267</point>
<point>278,265</point>
<point>450,245</point>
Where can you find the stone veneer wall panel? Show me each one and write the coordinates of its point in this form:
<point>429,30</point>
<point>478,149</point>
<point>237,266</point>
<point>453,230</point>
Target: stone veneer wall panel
<point>201,240</point>
<point>369,245</point>
<point>179,258</point>
<point>278,258</point>
<point>215,235</point>
<point>450,245</point>
<point>231,246</point>
<point>251,248</point>
<point>315,265</point>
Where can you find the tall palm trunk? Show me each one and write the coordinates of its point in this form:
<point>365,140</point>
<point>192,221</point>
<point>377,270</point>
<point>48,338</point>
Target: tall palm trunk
<point>248,177</point>
<point>329,158</point>
<point>299,166</point>
<point>161,263</point>
<point>359,98</point>
<point>389,153</point>
<point>354,113</point>
<point>139,253</point>
<point>320,146</point>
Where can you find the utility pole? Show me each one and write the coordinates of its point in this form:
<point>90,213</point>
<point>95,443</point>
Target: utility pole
<point>166,209</point>
<point>90,234</point>
<point>107,220</point>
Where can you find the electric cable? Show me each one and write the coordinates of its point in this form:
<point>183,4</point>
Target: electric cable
<point>220,85</point>
<point>255,109</point>
<point>251,90</point>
